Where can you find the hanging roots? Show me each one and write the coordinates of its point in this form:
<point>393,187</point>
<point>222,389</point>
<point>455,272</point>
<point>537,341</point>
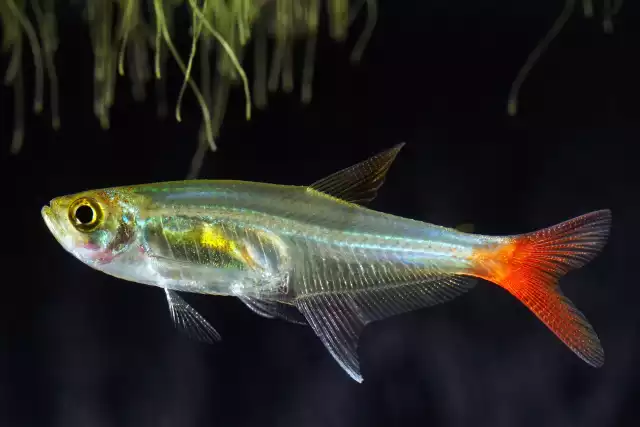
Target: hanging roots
<point>137,37</point>
<point>610,9</point>
<point>125,32</point>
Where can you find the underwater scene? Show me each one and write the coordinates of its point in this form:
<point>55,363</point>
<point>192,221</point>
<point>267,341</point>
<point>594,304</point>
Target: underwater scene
<point>319,213</point>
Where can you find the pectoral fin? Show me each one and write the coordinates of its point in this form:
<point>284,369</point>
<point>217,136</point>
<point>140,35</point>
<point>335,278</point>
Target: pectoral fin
<point>189,320</point>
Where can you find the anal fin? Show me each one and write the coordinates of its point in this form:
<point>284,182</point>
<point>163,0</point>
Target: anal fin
<point>338,318</point>
<point>338,326</point>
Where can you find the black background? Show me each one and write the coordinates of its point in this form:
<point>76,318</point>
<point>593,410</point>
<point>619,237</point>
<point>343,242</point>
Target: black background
<point>81,349</point>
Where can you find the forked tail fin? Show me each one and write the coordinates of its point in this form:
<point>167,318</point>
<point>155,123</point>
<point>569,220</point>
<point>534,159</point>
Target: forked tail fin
<point>530,265</point>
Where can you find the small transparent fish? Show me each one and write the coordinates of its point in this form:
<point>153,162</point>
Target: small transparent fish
<point>315,255</point>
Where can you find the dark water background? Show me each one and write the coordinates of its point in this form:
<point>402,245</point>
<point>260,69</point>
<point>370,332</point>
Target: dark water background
<point>81,349</point>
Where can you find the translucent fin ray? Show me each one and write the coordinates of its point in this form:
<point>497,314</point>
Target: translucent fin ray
<point>337,325</point>
<point>189,320</point>
<point>338,319</point>
<point>273,309</point>
<point>378,304</point>
<point>359,183</point>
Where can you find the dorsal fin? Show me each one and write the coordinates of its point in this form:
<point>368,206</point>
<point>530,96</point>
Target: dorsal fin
<point>359,183</point>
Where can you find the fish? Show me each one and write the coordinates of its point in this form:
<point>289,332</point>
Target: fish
<point>316,255</point>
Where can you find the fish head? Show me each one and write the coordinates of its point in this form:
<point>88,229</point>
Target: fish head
<point>94,226</point>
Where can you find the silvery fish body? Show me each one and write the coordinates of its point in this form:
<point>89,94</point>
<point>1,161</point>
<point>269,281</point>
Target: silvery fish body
<point>311,255</point>
<point>278,242</point>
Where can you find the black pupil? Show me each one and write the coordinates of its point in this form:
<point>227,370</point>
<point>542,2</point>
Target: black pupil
<point>84,214</point>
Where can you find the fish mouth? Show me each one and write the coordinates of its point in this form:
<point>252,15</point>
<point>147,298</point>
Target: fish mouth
<point>49,217</point>
<point>57,227</point>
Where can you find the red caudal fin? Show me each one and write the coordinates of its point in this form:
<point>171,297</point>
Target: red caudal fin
<point>530,265</point>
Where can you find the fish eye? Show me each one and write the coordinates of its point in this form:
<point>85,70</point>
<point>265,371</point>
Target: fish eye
<point>85,214</point>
